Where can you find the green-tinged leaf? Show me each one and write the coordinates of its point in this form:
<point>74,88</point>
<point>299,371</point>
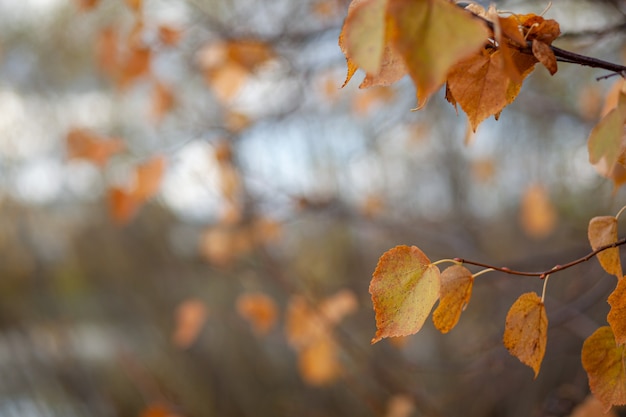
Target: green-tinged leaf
<point>362,37</point>
<point>605,363</point>
<point>526,330</point>
<point>432,35</point>
<point>605,140</point>
<point>404,288</point>
<point>456,290</point>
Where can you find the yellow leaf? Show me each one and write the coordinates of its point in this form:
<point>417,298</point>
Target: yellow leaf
<point>603,231</point>
<point>404,288</point>
<point>617,315</point>
<point>362,37</point>
<point>456,290</point>
<point>605,364</point>
<point>526,330</point>
<point>606,140</point>
<point>431,36</point>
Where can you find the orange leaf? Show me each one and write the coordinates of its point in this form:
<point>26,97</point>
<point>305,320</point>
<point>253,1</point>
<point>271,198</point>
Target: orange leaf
<point>605,364</point>
<point>84,144</point>
<point>302,325</point>
<point>456,290</point>
<point>136,64</point>
<point>538,216</point>
<point>148,178</point>
<point>526,330</point>
<point>617,315</point>
<point>336,307</point>
<point>190,317</point>
<point>591,407</point>
<point>135,5</point>
<point>400,405</point>
<point>404,288</point>
<point>123,205</point>
<point>602,231</point>
<point>482,85</point>
<point>86,5</point>
<point>107,53</point>
<point>169,35</point>
<point>432,36</point>
<point>259,310</point>
<point>162,100</point>
<point>318,362</point>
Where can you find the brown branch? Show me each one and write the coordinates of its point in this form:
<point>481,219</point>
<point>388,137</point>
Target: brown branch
<point>543,274</point>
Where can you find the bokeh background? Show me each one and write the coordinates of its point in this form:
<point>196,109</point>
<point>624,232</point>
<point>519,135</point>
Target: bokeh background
<point>191,210</point>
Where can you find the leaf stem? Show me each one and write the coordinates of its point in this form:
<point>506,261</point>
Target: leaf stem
<point>443,261</point>
<point>545,284</point>
<point>544,274</point>
<point>482,271</point>
<point>619,213</point>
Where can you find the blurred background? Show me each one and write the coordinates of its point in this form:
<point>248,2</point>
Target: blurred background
<point>191,209</point>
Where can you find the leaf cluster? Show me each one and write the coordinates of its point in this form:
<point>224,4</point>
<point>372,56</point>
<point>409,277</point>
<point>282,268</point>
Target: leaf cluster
<point>406,285</point>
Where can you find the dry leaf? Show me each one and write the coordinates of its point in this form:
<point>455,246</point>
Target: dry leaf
<point>605,363</point>
<point>526,330</point>
<point>617,314</point>
<point>318,362</point>
<point>456,290</point>
<point>404,288</point>
<point>602,231</point>
<point>591,407</point>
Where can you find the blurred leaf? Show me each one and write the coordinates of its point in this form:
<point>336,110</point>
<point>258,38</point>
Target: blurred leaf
<point>362,37</point>
<point>318,362</point>
<point>259,310</point>
<point>538,215</point>
<point>591,407</point>
<point>605,363</point>
<point>602,231</point>
<point>400,405</point>
<point>84,144</point>
<point>190,316</point>
<point>169,35</point>
<point>526,330</point>
<point>404,288</point>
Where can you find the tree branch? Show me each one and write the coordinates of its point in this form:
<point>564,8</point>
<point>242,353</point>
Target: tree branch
<point>543,274</point>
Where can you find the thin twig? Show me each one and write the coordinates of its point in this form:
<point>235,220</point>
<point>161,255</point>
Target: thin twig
<point>543,274</point>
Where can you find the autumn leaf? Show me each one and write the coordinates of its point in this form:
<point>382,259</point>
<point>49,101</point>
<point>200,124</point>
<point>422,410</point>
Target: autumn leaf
<point>191,315</point>
<point>84,144</point>
<point>538,216</point>
<point>169,35</point>
<point>432,36</point>
<point>259,310</point>
<point>162,100</point>
<point>362,37</point>
<point>617,315</point>
<point>456,290</point>
<point>545,55</point>
<point>606,140</point>
<point>404,288</point>
<point>123,205</point>
<point>602,231</point>
<point>318,362</point>
<point>605,364</point>
<point>591,407</point>
<point>526,330</point>
<point>482,86</point>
